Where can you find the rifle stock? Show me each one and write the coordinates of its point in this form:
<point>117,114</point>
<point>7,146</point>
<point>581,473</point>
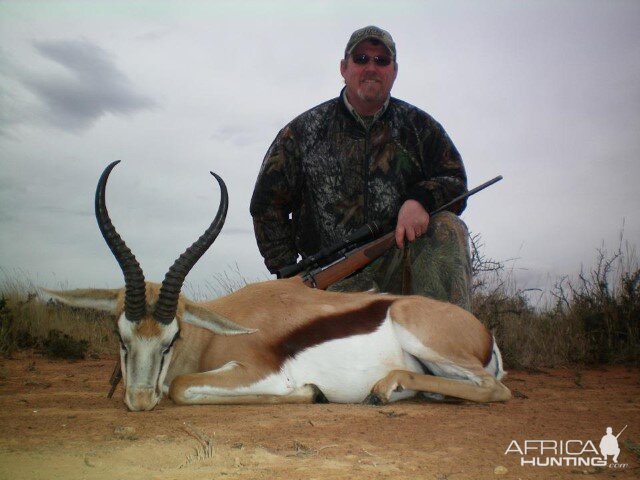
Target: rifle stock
<point>323,277</point>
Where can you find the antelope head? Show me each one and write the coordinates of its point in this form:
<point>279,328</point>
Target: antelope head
<point>148,316</point>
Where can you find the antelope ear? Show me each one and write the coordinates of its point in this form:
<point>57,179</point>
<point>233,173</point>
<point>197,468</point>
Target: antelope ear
<point>202,317</point>
<point>96,299</point>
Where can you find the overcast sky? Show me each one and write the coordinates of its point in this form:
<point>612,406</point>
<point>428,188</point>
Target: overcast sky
<point>546,93</point>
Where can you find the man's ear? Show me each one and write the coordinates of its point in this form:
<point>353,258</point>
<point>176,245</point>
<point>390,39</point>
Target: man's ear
<point>96,299</point>
<point>202,317</point>
<point>343,67</point>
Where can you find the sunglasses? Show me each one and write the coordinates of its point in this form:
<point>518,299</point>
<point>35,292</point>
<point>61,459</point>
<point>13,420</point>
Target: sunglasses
<point>379,60</point>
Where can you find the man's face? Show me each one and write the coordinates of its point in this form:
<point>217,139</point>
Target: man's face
<point>368,85</point>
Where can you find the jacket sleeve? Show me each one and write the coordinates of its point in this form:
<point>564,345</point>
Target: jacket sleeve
<point>443,170</point>
<point>274,196</point>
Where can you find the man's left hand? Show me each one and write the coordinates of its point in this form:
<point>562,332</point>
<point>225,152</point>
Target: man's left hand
<point>413,221</point>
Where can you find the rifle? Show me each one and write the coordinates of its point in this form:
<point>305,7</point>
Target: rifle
<point>338,261</point>
<point>625,427</point>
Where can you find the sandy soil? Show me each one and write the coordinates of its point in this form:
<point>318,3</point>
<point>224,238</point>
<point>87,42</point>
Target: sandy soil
<point>56,423</point>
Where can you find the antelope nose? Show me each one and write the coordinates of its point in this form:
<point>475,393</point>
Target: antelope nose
<point>141,399</point>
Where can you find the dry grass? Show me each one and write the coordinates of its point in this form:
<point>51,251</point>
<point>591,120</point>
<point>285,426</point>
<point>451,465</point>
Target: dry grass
<point>27,322</point>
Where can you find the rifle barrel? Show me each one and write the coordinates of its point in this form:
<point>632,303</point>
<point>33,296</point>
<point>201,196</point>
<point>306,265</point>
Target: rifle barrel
<point>467,194</point>
<point>625,427</point>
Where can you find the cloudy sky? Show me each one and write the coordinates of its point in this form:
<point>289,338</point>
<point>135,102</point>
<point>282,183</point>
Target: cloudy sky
<point>545,93</point>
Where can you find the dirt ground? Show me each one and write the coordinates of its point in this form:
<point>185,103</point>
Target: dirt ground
<point>56,423</point>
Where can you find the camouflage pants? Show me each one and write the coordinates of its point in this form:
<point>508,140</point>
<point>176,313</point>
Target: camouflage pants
<point>436,265</point>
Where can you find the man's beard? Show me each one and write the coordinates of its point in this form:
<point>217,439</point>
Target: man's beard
<point>370,93</point>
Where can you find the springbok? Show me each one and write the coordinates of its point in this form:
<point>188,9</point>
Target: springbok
<point>280,341</point>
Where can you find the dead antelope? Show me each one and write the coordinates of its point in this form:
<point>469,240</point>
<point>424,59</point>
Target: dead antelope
<point>282,342</point>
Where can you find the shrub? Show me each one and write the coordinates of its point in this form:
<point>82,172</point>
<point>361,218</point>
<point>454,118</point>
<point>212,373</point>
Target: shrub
<point>61,345</point>
<point>7,341</point>
<point>594,319</point>
<point>605,302</point>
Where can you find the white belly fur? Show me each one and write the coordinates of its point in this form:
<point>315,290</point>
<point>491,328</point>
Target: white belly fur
<point>346,369</point>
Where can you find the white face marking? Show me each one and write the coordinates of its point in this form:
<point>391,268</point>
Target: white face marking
<point>145,362</point>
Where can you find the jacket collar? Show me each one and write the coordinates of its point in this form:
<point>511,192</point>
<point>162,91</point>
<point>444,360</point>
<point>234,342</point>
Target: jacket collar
<point>365,123</point>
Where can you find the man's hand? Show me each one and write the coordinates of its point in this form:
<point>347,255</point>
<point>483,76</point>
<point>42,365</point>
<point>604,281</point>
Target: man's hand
<point>413,221</point>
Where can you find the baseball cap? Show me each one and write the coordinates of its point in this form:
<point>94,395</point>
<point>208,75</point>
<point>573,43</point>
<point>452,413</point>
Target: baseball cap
<point>371,32</point>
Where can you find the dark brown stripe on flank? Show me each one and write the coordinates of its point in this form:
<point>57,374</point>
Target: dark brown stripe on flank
<point>332,327</point>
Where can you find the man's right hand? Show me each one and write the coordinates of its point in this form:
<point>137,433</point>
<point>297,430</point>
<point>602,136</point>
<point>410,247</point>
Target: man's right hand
<point>413,221</point>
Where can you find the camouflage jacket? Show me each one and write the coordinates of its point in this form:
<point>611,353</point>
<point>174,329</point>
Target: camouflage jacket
<point>325,175</point>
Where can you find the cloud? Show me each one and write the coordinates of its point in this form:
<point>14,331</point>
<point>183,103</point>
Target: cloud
<point>92,87</point>
<point>237,135</point>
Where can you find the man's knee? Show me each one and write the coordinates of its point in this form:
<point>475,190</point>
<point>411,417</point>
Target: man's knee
<point>443,261</point>
<point>447,226</point>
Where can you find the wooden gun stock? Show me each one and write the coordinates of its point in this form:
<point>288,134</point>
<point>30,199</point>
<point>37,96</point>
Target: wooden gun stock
<point>353,261</point>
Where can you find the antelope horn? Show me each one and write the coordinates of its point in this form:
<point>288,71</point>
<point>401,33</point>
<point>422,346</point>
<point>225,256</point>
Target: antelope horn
<point>167,304</point>
<point>135,299</point>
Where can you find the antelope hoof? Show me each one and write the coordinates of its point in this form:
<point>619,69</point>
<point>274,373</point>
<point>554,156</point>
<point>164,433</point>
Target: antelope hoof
<point>373,399</point>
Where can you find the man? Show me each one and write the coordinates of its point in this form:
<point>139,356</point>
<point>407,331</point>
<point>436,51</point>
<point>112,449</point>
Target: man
<point>609,445</point>
<point>364,157</point>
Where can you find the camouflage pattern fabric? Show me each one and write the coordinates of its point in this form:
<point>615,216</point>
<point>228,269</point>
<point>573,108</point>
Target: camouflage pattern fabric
<point>326,174</point>
<point>439,264</point>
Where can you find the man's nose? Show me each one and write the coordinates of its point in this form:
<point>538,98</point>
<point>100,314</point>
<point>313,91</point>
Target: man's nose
<point>370,66</point>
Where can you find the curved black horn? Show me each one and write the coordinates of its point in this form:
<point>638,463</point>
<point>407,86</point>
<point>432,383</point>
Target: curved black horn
<point>134,300</point>
<point>167,304</point>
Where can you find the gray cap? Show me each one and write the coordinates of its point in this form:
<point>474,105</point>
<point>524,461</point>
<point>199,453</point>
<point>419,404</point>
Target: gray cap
<point>371,32</point>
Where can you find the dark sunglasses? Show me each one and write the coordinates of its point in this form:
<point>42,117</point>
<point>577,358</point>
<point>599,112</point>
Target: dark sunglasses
<point>379,60</point>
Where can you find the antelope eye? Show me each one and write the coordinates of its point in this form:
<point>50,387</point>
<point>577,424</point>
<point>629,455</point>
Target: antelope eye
<point>166,349</point>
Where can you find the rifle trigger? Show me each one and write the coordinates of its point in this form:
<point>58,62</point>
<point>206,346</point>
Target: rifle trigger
<point>310,280</point>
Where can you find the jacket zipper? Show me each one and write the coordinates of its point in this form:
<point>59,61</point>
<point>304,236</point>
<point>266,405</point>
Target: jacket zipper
<point>367,142</point>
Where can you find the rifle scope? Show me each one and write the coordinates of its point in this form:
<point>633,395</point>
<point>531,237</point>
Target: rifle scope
<point>367,231</point>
